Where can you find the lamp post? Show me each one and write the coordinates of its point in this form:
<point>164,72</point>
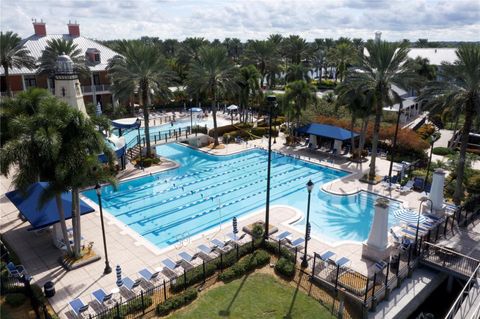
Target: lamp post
<point>394,145</point>
<point>307,225</point>
<point>98,190</point>
<point>272,100</point>
<point>432,141</point>
<point>422,200</point>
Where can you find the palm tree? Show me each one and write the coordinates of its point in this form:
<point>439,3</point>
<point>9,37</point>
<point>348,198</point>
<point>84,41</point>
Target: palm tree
<point>296,49</point>
<point>300,94</point>
<point>249,85</point>
<point>214,75</point>
<point>56,47</point>
<point>377,71</point>
<point>297,72</point>
<point>13,54</point>
<point>140,69</point>
<point>263,55</point>
<point>342,55</point>
<point>458,87</point>
<point>424,68</point>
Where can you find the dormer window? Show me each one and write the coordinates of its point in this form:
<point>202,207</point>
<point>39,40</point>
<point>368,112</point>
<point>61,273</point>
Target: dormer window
<point>93,56</point>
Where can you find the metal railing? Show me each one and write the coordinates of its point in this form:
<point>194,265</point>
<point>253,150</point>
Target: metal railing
<point>466,296</point>
<point>98,88</point>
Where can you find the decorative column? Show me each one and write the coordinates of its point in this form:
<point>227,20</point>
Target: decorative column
<point>376,247</point>
<point>313,141</point>
<point>436,191</point>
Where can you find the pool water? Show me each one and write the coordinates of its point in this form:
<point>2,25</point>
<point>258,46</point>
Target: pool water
<point>208,190</point>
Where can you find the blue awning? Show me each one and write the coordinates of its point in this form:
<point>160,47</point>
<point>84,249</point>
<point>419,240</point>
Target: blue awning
<point>46,215</point>
<point>118,153</point>
<point>325,130</point>
<point>127,123</point>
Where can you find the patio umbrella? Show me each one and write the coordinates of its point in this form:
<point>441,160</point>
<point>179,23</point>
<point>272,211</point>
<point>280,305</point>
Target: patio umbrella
<point>408,216</point>
<point>232,107</point>
<point>195,110</point>
<point>235,225</point>
<point>119,276</point>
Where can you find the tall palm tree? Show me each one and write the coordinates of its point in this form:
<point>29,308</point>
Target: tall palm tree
<point>212,74</point>
<point>297,72</point>
<point>458,87</point>
<point>296,49</point>
<point>140,69</point>
<point>424,68</point>
<point>13,54</point>
<point>342,55</point>
<point>249,85</point>
<point>56,47</point>
<point>377,71</point>
<point>263,55</point>
<point>300,94</point>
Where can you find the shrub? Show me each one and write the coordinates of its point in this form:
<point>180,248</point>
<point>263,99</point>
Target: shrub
<point>176,302</point>
<point>227,275</point>
<point>473,184</point>
<point>273,248</point>
<point>263,258</point>
<point>199,129</point>
<point>261,131</point>
<point>248,263</point>
<point>442,151</point>
<point>194,276</point>
<point>221,130</point>
<point>326,84</point>
<point>257,231</point>
<point>285,267</point>
<point>38,294</point>
<point>15,299</point>
<point>426,130</point>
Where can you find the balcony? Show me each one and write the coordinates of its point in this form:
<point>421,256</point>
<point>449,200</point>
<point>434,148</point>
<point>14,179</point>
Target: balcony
<point>99,89</point>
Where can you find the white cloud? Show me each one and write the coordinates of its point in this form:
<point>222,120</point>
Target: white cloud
<point>110,19</point>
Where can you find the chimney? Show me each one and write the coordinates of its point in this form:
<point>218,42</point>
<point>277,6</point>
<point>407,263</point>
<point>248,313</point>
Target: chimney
<point>73,29</point>
<point>39,28</point>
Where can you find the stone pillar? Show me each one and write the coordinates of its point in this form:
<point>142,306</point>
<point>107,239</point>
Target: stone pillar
<point>338,146</point>
<point>376,247</point>
<point>313,140</point>
<point>436,192</point>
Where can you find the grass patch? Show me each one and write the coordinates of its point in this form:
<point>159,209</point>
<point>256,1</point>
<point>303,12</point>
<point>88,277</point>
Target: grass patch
<point>254,296</point>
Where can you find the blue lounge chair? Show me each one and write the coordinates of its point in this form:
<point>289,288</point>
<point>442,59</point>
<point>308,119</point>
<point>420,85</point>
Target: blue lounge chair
<point>342,261</point>
<point>148,275</point>
<point>422,227</point>
<point>218,243</point>
<point>205,249</point>
<point>380,265</point>
<point>130,284</point>
<point>101,296</point>
<point>170,264</point>
<point>297,242</point>
<point>16,271</point>
<point>327,255</point>
<point>418,183</point>
<point>186,256</point>
<point>78,307</point>
<point>283,235</point>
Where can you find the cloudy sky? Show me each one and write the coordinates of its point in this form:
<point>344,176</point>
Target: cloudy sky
<point>249,19</point>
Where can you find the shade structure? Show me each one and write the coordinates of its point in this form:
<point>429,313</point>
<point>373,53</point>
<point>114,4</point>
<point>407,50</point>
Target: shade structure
<point>41,216</point>
<point>118,271</point>
<point>232,107</point>
<point>195,110</point>
<point>127,123</point>
<point>328,131</point>
<point>408,216</point>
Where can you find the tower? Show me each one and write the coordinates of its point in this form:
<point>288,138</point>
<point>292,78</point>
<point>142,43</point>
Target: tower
<point>67,85</point>
<point>378,36</point>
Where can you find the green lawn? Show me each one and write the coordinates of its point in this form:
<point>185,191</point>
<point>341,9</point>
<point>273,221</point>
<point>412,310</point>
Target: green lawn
<point>254,296</point>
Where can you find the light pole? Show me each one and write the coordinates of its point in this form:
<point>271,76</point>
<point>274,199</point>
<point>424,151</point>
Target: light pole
<point>432,141</point>
<point>272,100</point>
<point>422,200</point>
<point>394,145</point>
<point>98,190</point>
<point>307,224</point>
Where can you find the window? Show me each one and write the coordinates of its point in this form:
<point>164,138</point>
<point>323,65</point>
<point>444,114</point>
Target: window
<point>96,79</point>
<point>30,82</point>
<point>97,57</point>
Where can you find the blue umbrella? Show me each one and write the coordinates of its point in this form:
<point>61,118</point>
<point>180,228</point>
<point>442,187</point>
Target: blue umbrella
<point>235,225</point>
<point>119,276</point>
<point>408,216</point>
<point>195,110</point>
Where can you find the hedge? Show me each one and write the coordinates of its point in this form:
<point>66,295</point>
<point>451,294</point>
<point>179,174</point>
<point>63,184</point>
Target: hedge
<point>221,130</point>
<point>199,129</point>
<point>248,263</point>
<point>15,299</point>
<point>193,276</point>
<point>273,248</point>
<point>442,151</point>
<point>285,267</point>
<point>176,302</point>
<point>279,120</point>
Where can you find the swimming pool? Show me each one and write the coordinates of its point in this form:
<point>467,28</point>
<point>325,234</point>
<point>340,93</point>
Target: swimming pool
<point>208,190</point>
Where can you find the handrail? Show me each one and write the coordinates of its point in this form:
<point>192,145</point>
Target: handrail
<point>461,297</point>
<point>451,251</point>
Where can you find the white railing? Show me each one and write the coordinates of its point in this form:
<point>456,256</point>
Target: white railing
<point>469,294</point>
<point>98,88</point>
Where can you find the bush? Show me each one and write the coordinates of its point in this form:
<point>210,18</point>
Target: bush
<point>473,184</point>
<point>194,276</point>
<point>426,130</point>
<point>199,129</point>
<point>442,151</point>
<point>284,252</point>
<point>263,258</point>
<point>176,302</point>
<point>261,131</point>
<point>248,263</point>
<point>38,294</point>
<point>15,299</point>
<point>279,120</point>
<point>285,267</point>
<point>227,276</point>
<point>326,84</point>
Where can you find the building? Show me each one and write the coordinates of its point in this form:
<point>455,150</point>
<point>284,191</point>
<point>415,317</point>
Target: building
<point>95,88</point>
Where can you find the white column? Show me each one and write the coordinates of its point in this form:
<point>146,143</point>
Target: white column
<point>378,237</point>
<point>313,140</point>
<point>24,87</point>
<point>338,146</point>
<point>436,192</point>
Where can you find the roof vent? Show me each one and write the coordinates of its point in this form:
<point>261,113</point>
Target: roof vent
<point>73,29</point>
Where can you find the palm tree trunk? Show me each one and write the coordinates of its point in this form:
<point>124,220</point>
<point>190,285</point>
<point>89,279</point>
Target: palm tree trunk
<point>7,80</point>
<point>363,132</point>
<point>452,140</point>
<point>458,194</point>
<point>63,224</point>
<point>376,130</point>
<point>352,137</point>
<point>77,232</point>
<point>146,114</point>
<point>214,115</point>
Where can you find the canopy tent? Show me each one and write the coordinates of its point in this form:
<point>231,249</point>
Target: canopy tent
<point>127,123</point>
<point>195,110</point>
<point>328,131</point>
<point>47,214</point>
<point>232,107</point>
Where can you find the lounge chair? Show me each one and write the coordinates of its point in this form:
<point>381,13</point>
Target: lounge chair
<point>149,279</point>
<point>418,183</point>
<point>102,296</point>
<point>235,237</point>
<point>78,307</point>
<point>297,242</point>
<point>380,265</point>
<point>220,245</point>
<point>412,233</point>
<point>407,187</point>
<point>170,264</point>
<point>342,262</point>
<point>186,256</point>
<point>99,303</point>
<point>327,255</point>
<point>421,227</point>
<point>283,235</point>
<point>206,253</point>
<point>16,271</point>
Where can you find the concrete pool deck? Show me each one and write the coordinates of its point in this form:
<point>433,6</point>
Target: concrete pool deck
<point>134,253</point>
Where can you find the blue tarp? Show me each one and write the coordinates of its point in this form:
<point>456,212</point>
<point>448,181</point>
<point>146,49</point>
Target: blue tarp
<point>46,215</point>
<point>328,131</point>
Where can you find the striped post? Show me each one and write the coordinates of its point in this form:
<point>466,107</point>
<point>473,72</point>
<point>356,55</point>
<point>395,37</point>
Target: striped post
<point>235,225</point>
<point>118,271</point>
